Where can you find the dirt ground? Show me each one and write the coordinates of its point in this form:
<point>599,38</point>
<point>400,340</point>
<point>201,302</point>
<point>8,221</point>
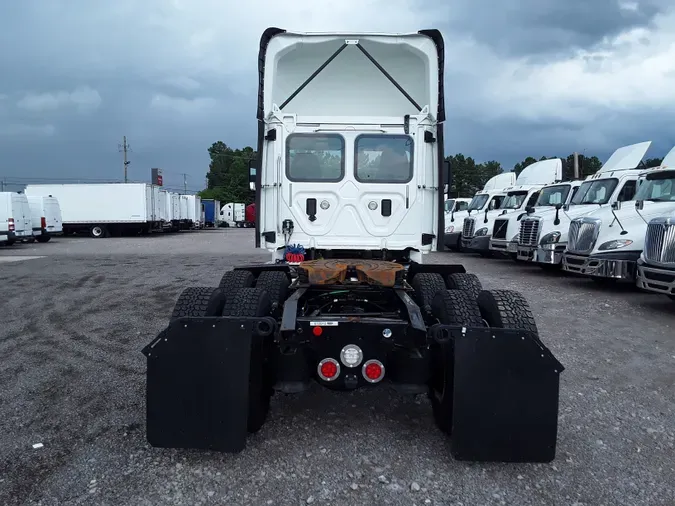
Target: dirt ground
<point>76,313</point>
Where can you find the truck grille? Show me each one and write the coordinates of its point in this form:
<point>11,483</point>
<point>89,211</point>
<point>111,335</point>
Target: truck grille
<point>529,231</point>
<point>499,230</point>
<point>583,233</point>
<point>469,226</point>
<point>660,241</point>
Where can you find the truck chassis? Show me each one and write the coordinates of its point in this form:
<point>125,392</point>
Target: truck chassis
<point>346,324</point>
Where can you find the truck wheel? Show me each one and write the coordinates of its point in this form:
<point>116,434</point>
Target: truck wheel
<point>255,302</point>
<point>199,301</point>
<point>450,307</point>
<point>466,282</point>
<point>506,309</point>
<point>426,286</point>
<point>44,238</point>
<point>236,279</point>
<point>98,231</point>
<point>276,284</point>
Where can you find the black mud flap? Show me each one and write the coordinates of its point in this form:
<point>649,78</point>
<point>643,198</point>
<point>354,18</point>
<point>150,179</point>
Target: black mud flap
<point>197,382</point>
<point>505,396</point>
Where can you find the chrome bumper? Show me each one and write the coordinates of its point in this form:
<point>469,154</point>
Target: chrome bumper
<point>541,255</point>
<point>599,267</point>
<point>654,279</point>
<point>503,245</point>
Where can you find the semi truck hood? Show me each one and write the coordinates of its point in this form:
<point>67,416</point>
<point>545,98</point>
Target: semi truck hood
<point>548,219</point>
<point>630,221</point>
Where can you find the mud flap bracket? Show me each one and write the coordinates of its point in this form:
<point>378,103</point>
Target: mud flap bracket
<point>197,382</point>
<point>505,395</point>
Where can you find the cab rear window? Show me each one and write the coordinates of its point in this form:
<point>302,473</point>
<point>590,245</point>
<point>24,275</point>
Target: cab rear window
<point>315,157</point>
<point>384,158</point>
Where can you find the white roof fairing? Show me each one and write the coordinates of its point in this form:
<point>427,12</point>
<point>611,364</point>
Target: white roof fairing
<point>350,85</point>
<point>542,172</point>
<point>626,157</point>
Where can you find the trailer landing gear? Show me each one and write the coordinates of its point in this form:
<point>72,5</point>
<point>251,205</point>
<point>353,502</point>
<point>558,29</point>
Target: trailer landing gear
<point>345,324</point>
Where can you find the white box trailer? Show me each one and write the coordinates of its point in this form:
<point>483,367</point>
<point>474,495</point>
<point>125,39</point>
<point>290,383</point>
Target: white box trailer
<point>184,214</point>
<point>103,209</point>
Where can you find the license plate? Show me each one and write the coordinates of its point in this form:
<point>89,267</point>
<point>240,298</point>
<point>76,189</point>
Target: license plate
<point>512,248</point>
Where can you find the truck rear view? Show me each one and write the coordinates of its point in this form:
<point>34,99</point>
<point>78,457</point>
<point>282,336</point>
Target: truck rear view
<point>351,173</point>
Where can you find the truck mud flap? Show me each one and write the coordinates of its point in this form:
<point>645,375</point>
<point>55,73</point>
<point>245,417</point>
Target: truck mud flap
<point>505,395</point>
<point>197,382</point>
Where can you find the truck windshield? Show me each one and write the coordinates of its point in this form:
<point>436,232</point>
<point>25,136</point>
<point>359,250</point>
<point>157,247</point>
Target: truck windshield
<point>553,195</point>
<point>514,200</point>
<point>657,188</point>
<point>477,202</point>
<point>595,192</point>
<point>384,158</point>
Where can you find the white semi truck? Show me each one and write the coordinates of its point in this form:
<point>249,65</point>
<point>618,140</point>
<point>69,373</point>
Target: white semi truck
<point>607,243</point>
<point>351,180</point>
<point>477,230</point>
<point>490,197</point>
<point>506,228</point>
<point>543,235</point>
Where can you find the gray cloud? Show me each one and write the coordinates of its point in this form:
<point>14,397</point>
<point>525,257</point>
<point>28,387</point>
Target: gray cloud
<point>176,76</point>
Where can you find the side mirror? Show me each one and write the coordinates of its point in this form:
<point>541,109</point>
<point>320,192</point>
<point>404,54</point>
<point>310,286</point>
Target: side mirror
<point>566,207</point>
<point>639,205</point>
<point>529,209</point>
<point>251,175</point>
<point>446,173</point>
<point>616,206</point>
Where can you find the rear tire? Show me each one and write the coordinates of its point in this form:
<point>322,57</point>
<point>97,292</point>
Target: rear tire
<point>199,301</point>
<point>450,307</point>
<point>43,238</point>
<point>507,309</point>
<point>466,282</point>
<point>251,302</point>
<point>234,280</point>
<point>276,284</point>
<point>426,286</point>
<point>98,231</point>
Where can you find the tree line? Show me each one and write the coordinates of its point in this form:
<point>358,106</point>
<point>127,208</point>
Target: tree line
<point>227,177</point>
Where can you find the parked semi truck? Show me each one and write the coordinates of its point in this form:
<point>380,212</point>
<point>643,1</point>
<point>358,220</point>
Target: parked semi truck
<point>477,230</point>
<point>233,214</point>
<point>362,308</point>
<point>607,243</point>
<point>489,198</point>
<point>543,235</point>
<point>104,209</point>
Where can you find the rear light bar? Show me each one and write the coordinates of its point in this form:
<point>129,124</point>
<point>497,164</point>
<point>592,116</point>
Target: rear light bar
<point>328,369</point>
<point>10,221</point>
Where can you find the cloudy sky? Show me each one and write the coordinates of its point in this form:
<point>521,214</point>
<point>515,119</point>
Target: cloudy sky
<point>523,77</point>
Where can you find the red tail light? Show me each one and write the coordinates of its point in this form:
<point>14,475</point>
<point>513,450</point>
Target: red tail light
<point>328,369</point>
<point>10,221</point>
<point>373,371</point>
<point>43,222</point>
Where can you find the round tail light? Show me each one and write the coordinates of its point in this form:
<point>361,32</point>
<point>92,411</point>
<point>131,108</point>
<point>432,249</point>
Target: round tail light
<point>328,369</point>
<point>373,371</point>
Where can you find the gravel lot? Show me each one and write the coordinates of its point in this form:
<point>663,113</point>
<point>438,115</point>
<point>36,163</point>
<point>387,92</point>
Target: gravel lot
<point>76,315</point>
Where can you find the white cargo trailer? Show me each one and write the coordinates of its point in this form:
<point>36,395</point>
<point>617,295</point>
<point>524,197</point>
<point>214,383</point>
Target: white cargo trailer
<point>103,209</point>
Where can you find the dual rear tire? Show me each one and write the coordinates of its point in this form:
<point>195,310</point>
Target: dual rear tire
<point>240,294</point>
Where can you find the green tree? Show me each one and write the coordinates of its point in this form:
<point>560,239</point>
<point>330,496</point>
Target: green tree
<point>228,174</point>
<point>653,162</point>
<point>520,166</point>
<point>468,177</point>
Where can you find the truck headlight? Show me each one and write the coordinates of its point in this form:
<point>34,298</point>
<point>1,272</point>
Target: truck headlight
<point>449,229</point>
<point>615,244</point>
<point>481,232</point>
<point>551,238</point>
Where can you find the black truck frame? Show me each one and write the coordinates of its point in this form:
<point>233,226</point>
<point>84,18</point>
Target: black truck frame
<point>492,383</point>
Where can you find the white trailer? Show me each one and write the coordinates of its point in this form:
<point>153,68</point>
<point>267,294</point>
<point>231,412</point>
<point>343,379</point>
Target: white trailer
<point>103,209</point>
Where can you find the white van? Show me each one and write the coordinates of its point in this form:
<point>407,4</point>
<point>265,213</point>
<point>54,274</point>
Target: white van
<point>15,220</point>
<point>45,215</point>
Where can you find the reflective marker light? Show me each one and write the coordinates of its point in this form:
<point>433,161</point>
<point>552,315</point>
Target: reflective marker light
<point>351,355</point>
<point>328,369</point>
<point>373,371</point>
<point>317,331</point>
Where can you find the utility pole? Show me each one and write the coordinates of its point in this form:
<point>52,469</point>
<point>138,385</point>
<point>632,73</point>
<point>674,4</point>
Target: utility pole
<point>576,165</point>
<point>124,148</point>
<point>185,182</point>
